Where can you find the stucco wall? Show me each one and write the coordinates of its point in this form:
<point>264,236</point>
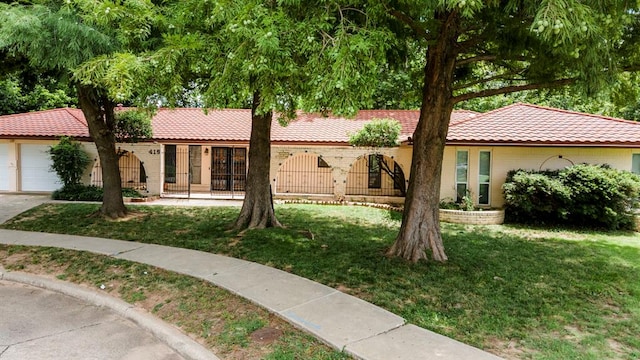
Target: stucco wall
<point>506,158</point>
<point>342,158</point>
<point>147,153</point>
<point>339,158</point>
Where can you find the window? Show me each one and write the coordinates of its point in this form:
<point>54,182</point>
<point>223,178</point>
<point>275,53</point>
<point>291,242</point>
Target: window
<point>170,164</point>
<point>484,178</point>
<point>462,170</point>
<point>143,173</point>
<point>635,164</point>
<point>398,177</point>
<point>375,174</point>
<point>195,163</point>
<point>322,163</point>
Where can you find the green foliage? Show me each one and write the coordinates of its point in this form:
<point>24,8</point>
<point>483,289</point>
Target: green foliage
<point>377,133</point>
<point>17,97</point>
<point>132,125</point>
<point>581,195</point>
<point>536,197</point>
<point>50,37</point>
<point>293,54</point>
<point>69,160</point>
<point>602,196</point>
<point>80,192</point>
<point>465,203</point>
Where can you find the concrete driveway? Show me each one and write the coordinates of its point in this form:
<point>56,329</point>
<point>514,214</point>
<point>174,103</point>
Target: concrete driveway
<point>41,324</point>
<point>13,204</point>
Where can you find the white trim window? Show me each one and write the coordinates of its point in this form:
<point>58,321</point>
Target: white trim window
<point>484,178</point>
<point>635,164</point>
<point>462,174</point>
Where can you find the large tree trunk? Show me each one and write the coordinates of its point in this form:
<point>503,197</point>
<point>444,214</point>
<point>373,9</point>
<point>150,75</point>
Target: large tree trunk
<point>98,112</point>
<point>420,229</point>
<point>257,208</point>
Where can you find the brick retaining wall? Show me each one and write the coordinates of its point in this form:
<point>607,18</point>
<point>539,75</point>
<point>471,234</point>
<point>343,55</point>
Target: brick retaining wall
<point>488,217</point>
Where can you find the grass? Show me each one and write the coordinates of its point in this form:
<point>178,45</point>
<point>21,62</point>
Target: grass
<point>221,321</point>
<point>519,292</point>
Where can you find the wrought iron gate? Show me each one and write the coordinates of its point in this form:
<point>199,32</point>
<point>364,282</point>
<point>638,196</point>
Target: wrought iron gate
<point>228,171</point>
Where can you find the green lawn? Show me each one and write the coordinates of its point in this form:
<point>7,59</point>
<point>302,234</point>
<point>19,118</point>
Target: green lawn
<point>517,292</point>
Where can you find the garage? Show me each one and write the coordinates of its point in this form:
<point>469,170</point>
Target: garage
<point>35,173</point>
<point>4,167</point>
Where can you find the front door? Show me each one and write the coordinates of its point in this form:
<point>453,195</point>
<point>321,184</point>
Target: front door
<point>228,169</point>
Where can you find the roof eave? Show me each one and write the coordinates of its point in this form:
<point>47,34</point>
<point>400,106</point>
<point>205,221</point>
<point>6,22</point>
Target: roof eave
<point>543,144</point>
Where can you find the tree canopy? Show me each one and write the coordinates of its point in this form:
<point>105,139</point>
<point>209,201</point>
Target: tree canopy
<point>477,49</point>
<point>58,37</point>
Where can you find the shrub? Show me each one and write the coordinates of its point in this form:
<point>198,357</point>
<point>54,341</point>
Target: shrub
<point>602,196</point>
<point>594,196</point>
<point>377,133</point>
<point>69,161</point>
<point>79,192</point>
<point>535,198</point>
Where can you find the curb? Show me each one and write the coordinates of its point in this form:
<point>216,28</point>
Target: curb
<point>172,337</point>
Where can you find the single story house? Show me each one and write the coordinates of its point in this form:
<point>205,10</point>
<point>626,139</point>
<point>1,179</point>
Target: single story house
<point>198,154</point>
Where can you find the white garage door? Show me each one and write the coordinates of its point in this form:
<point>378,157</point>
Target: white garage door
<point>35,165</point>
<point>4,167</point>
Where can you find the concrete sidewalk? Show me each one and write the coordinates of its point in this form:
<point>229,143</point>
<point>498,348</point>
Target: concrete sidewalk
<point>14,204</point>
<point>342,321</point>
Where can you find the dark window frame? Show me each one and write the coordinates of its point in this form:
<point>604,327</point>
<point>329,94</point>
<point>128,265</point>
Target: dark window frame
<point>375,171</point>
<point>170,166</point>
<point>322,163</point>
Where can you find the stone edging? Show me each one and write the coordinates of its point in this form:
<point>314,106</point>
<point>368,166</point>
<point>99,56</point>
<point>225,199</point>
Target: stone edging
<point>485,217</point>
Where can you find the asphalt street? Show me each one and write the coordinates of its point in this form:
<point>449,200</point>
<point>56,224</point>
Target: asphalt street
<point>40,324</point>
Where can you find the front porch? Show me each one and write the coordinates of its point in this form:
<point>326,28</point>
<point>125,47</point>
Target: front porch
<point>319,173</point>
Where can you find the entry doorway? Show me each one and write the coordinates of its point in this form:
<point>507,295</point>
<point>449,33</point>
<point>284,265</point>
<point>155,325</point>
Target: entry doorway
<point>228,170</point>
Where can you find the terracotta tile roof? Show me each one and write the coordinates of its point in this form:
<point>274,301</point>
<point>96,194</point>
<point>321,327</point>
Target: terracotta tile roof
<point>527,124</point>
<point>316,128</point>
<point>235,125</point>
<point>47,123</point>
<point>518,124</point>
<point>194,124</point>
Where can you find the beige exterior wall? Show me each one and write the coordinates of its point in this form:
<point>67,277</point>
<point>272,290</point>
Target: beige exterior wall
<point>147,153</point>
<point>506,158</point>
<point>344,162</point>
<point>302,174</point>
<point>142,151</point>
<point>341,159</point>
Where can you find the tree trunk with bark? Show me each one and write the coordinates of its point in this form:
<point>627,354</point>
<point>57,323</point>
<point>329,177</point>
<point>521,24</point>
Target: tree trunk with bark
<point>98,111</point>
<point>420,229</point>
<point>257,209</point>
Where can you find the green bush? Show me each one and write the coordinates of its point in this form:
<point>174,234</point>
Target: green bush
<point>593,196</point>
<point>377,133</point>
<point>602,196</point>
<point>79,192</point>
<point>535,197</point>
<point>68,160</point>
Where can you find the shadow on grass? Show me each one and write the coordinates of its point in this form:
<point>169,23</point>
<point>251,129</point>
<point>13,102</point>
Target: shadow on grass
<point>496,287</point>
